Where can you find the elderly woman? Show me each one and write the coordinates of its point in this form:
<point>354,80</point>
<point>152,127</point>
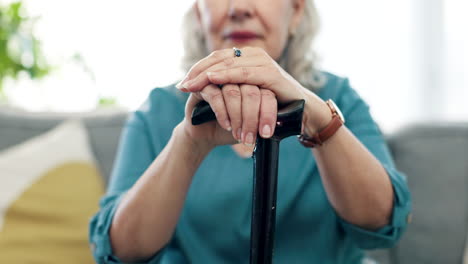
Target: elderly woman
<point>182,194</point>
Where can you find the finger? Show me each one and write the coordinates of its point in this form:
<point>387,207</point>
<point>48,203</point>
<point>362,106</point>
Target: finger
<point>213,96</point>
<point>253,75</point>
<point>250,108</point>
<point>200,80</point>
<point>268,113</point>
<point>225,55</point>
<point>233,100</point>
<point>269,77</point>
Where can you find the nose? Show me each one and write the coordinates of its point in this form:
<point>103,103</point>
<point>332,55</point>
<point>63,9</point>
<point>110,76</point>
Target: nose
<point>240,9</point>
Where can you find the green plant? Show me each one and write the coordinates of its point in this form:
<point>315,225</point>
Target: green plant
<point>107,101</point>
<point>20,49</point>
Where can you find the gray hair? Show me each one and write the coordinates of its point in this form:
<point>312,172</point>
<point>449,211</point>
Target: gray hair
<point>298,58</point>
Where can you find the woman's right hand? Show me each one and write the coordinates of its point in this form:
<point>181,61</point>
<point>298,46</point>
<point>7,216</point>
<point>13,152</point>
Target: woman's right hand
<point>241,112</point>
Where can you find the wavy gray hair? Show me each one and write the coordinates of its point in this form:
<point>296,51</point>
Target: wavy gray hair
<point>298,57</point>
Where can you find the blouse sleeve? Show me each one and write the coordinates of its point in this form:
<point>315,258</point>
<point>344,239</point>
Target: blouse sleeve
<point>361,124</point>
<point>138,148</point>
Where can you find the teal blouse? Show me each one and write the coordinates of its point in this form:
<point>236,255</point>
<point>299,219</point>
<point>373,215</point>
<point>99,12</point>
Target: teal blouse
<point>214,226</point>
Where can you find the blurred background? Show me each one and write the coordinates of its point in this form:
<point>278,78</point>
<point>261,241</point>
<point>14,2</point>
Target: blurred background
<point>407,58</point>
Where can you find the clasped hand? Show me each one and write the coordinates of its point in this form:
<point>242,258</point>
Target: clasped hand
<point>243,92</point>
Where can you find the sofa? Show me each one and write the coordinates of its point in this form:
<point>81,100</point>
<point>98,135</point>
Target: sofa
<point>434,157</point>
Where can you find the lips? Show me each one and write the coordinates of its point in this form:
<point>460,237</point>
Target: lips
<point>241,36</point>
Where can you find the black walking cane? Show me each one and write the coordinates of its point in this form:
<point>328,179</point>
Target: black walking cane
<point>266,152</point>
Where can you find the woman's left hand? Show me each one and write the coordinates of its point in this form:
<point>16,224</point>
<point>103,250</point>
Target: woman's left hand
<point>256,67</point>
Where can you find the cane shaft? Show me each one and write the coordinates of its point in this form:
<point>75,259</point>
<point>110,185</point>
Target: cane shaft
<point>264,201</point>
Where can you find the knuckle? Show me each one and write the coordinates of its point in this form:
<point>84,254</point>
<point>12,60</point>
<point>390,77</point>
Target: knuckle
<point>228,61</point>
<point>267,93</point>
<point>245,73</point>
<point>233,92</point>
<point>214,96</point>
<point>253,93</point>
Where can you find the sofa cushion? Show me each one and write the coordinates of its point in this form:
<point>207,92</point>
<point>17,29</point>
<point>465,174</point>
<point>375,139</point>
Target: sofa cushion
<point>50,188</point>
<point>435,160</point>
<point>103,126</point>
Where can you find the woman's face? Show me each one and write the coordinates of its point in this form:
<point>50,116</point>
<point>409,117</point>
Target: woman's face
<point>255,23</point>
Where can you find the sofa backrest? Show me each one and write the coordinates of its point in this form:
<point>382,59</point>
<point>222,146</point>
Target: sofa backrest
<point>435,160</point>
<point>103,126</point>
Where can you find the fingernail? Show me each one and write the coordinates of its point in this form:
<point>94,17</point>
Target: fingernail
<point>228,125</point>
<point>239,132</point>
<point>179,85</point>
<point>249,139</point>
<point>184,86</point>
<point>234,135</point>
<point>184,90</point>
<point>266,131</point>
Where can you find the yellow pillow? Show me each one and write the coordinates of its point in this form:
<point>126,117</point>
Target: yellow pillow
<point>49,188</point>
